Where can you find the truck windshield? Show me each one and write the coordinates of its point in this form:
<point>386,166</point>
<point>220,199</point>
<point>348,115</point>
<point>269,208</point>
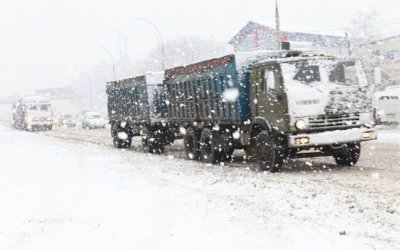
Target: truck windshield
<point>389,100</point>
<point>313,71</point>
<point>306,72</point>
<point>39,107</point>
<point>344,72</point>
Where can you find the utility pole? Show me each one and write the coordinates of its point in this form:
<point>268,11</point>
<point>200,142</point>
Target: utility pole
<point>90,91</point>
<point>277,26</point>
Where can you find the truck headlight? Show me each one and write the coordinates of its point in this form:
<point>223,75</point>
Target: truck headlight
<point>300,124</point>
<point>29,119</point>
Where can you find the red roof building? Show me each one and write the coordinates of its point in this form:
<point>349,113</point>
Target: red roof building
<point>255,36</point>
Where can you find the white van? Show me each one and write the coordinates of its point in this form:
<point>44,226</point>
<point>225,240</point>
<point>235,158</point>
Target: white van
<point>387,108</point>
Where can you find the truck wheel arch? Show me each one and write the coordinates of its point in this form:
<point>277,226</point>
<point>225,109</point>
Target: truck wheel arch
<point>261,124</point>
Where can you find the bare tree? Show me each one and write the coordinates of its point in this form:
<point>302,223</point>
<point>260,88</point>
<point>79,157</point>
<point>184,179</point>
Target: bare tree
<point>182,51</point>
<point>363,33</point>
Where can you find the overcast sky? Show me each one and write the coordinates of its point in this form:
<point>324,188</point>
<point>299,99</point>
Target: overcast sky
<point>48,43</point>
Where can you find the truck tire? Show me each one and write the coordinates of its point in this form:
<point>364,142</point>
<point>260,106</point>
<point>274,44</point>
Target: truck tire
<point>210,151</point>
<point>118,142</point>
<point>250,152</point>
<point>266,154</point>
<point>348,155</point>
<point>191,142</point>
<point>150,142</point>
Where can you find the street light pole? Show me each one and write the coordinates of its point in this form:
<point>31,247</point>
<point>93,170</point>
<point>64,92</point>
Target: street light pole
<point>160,37</point>
<point>112,58</point>
<point>277,24</point>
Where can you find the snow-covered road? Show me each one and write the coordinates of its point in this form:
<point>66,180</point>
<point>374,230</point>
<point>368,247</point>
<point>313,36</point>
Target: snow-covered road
<point>71,194</point>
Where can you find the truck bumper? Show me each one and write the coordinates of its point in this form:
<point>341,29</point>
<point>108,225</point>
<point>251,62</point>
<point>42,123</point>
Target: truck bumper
<point>38,124</point>
<point>332,137</point>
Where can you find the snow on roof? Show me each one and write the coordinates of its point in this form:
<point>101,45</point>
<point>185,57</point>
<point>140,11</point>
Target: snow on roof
<point>92,113</point>
<point>389,91</point>
<point>35,99</point>
<point>247,28</point>
<point>150,78</point>
<point>244,59</point>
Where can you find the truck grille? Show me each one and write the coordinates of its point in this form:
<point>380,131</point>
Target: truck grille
<point>321,122</point>
<point>40,119</point>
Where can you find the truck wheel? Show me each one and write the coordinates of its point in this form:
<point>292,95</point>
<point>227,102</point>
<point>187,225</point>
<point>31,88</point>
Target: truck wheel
<point>250,152</point>
<point>191,142</point>
<point>118,142</point>
<point>209,149</point>
<point>268,157</point>
<point>150,143</point>
<point>348,155</point>
<point>121,143</point>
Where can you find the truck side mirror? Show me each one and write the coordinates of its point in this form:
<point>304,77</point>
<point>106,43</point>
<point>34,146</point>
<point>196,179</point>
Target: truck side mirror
<point>285,46</point>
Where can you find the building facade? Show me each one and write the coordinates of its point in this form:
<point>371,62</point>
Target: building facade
<point>255,36</point>
<point>388,50</point>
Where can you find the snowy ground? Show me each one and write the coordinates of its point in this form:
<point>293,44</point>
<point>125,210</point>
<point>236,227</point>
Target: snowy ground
<point>69,189</point>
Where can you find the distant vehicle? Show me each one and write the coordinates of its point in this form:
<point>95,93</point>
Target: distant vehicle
<point>79,117</point>
<point>93,120</point>
<point>32,113</point>
<point>66,120</point>
<point>387,108</point>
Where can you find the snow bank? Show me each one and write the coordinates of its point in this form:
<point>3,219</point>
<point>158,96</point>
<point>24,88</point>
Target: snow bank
<point>64,195</point>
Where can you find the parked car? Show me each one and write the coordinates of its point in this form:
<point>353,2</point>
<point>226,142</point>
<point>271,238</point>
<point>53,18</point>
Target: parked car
<point>93,120</point>
<point>66,120</point>
<point>387,109</point>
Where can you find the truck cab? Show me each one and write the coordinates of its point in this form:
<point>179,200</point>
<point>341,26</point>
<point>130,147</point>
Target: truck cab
<point>309,106</point>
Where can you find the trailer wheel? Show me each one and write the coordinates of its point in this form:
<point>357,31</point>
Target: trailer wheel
<point>209,149</point>
<point>118,142</point>
<point>348,155</point>
<point>191,142</point>
<point>268,157</point>
<point>121,143</point>
<point>150,142</point>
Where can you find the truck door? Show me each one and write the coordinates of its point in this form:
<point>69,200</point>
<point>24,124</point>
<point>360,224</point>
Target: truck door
<point>271,99</point>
